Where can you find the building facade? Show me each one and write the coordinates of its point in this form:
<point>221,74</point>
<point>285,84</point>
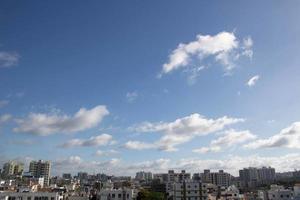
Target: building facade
<point>40,169</point>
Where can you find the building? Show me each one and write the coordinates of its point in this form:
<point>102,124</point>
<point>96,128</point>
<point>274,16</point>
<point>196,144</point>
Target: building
<point>189,190</point>
<point>143,176</point>
<point>248,177</point>
<point>297,191</point>
<point>12,168</point>
<point>40,169</point>
<point>277,192</point>
<point>231,193</point>
<point>252,177</point>
<point>266,175</point>
<point>117,194</point>
<point>220,178</point>
<point>82,175</point>
<point>172,176</point>
<point>30,196</point>
<point>67,176</point>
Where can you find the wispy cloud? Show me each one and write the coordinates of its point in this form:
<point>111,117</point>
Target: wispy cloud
<point>46,124</point>
<point>8,59</point>
<point>253,80</point>
<point>99,140</point>
<point>5,118</point>
<point>131,96</point>
<point>3,103</point>
<point>101,153</point>
<point>228,139</point>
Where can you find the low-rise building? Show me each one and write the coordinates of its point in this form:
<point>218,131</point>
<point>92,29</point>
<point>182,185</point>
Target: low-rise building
<point>30,196</point>
<point>117,194</point>
<point>277,192</point>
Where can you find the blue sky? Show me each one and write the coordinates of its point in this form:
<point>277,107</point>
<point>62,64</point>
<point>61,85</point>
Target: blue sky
<point>113,61</point>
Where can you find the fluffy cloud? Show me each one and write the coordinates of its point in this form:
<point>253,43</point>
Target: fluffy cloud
<point>100,140</point>
<point>253,80</point>
<point>8,59</point>
<point>131,96</point>
<point>46,124</point>
<point>229,138</point>
<point>288,137</point>
<point>179,131</point>
<point>223,47</point>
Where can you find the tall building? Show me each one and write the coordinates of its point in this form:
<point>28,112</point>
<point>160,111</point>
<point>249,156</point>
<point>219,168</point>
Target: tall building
<point>40,169</point>
<point>220,178</point>
<point>13,168</point>
<point>172,176</point>
<point>266,174</point>
<point>67,176</point>
<point>251,177</point>
<point>187,189</point>
<point>143,176</point>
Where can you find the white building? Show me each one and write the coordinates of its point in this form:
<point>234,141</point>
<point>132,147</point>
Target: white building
<point>297,191</point>
<point>30,196</point>
<point>277,192</point>
<point>231,193</point>
<point>117,194</point>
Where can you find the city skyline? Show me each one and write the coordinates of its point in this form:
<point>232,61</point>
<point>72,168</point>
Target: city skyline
<point>123,87</point>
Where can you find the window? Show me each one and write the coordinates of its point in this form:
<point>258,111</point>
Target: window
<point>113,195</point>
<point>119,195</point>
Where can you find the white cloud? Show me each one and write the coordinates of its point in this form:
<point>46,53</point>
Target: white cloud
<point>137,145</point>
<point>288,137</point>
<point>232,137</point>
<point>131,96</point>
<point>3,103</point>
<point>180,131</point>
<point>75,164</point>
<point>106,153</point>
<point>46,124</point>
<point>99,140</point>
<point>230,163</point>
<point>193,74</point>
<point>211,149</point>
<point>228,139</point>
<point>5,118</point>
<point>247,47</point>
<point>253,80</point>
<point>223,47</point>
<point>8,59</point>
